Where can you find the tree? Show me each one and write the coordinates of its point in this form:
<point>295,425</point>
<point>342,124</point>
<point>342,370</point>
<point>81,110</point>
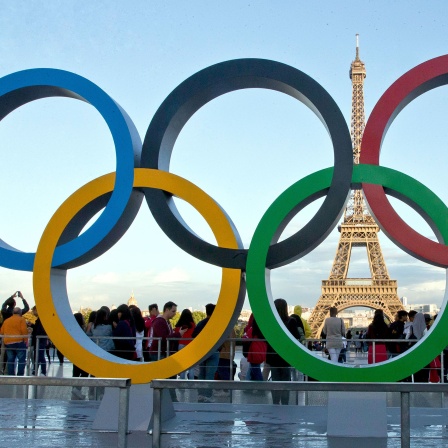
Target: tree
<point>198,316</point>
<point>239,329</point>
<point>30,317</point>
<point>173,320</point>
<point>85,314</point>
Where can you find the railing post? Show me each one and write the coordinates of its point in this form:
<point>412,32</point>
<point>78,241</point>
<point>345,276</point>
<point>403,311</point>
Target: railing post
<point>123,416</point>
<point>405,421</point>
<point>36,366</point>
<point>28,356</point>
<point>27,364</point>
<point>442,370</point>
<point>295,379</point>
<point>157,418</point>
<point>232,356</point>
<point>442,375</point>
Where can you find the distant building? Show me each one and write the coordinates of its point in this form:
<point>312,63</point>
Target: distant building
<point>431,308</point>
<point>354,318</point>
<point>132,300</point>
<point>306,312</point>
<point>357,318</point>
<point>245,314</point>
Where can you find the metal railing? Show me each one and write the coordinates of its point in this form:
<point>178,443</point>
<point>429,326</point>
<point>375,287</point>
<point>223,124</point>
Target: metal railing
<point>403,388</point>
<point>123,384</point>
<point>351,354</point>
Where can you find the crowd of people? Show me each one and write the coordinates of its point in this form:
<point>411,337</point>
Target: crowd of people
<point>382,340</point>
<point>125,333</point>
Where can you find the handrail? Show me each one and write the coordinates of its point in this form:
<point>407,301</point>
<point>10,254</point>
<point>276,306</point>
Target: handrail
<point>403,388</point>
<point>349,342</point>
<point>299,386</point>
<point>67,381</point>
<point>123,385</point>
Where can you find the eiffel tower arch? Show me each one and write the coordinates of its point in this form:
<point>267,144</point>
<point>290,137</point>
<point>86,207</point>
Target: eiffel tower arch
<point>358,229</point>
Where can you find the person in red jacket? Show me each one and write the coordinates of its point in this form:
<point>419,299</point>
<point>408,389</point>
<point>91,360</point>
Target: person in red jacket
<point>186,322</point>
<point>161,330</point>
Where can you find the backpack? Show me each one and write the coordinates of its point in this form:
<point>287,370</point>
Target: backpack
<point>257,352</point>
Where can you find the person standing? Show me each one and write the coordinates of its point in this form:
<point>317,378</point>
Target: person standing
<point>296,320</point>
<point>349,338</point>
<point>140,328</point>
<point>281,369</point>
<point>417,331</point>
<point>153,313</point>
<point>7,311</point>
<point>102,331</point>
<point>357,342</point>
<point>226,366</point>
<point>91,323</point>
<point>10,303</point>
<point>39,342</point>
<point>161,330</point>
<point>186,322</point>
<point>124,334</point>
<point>77,372</point>
<point>257,353</point>
<point>306,325</point>
<point>377,330</point>
<point>208,366</point>
<point>396,331</point>
<point>16,334</point>
<point>408,324</point>
<point>334,331</point>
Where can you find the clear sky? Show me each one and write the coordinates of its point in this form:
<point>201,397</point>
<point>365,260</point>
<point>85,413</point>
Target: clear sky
<point>243,149</point>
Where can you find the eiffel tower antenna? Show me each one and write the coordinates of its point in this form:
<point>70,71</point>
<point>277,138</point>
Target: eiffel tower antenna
<point>358,229</point>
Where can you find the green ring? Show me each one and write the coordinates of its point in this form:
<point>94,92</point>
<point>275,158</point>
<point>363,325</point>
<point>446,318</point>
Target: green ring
<point>258,285</point>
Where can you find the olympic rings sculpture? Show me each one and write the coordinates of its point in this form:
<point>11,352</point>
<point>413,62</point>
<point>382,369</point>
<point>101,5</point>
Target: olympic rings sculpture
<point>143,169</point>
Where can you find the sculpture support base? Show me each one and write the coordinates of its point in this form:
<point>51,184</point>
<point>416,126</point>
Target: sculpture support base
<point>353,414</point>
<point>140,409</point>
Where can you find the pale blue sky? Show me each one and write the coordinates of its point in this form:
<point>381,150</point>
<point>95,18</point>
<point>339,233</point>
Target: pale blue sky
<point>243,149</point>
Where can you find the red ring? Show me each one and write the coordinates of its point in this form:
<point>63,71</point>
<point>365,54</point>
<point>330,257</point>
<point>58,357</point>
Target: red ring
<point>420,79</point>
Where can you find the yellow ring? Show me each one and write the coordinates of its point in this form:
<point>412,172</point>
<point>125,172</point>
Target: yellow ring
<point>57,317</point>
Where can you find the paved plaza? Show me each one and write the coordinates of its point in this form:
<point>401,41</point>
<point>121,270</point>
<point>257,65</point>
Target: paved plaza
<point>54,419</point>
<point>68,423</point>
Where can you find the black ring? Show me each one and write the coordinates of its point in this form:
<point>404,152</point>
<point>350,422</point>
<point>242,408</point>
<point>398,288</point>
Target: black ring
<point>208,84</point>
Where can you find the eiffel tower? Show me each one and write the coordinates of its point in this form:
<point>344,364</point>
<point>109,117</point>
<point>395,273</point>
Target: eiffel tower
<point>358,229</point>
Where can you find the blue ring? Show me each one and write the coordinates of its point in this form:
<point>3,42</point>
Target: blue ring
<point>18,89</point>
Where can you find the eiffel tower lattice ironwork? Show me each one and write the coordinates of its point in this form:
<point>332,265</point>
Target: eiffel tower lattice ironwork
<point>358,229</point>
